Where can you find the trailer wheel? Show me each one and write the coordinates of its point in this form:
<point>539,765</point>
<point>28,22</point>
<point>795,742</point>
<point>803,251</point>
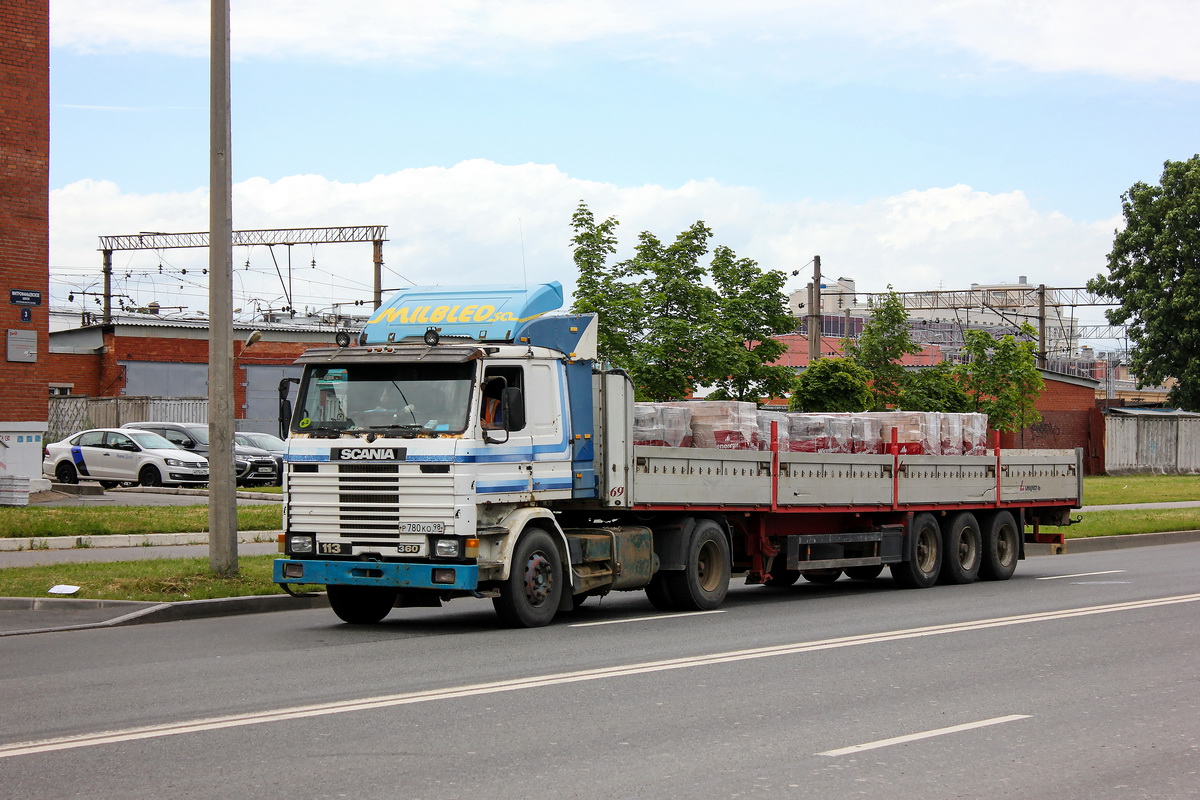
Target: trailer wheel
<point>360,605</point>
<point>704,581</point>
<point>822,575</point>
<point>864,573</point>
<point>921,571</point>
<point>530,596</point>
<point>961,554</point>
<point>1001,548</point>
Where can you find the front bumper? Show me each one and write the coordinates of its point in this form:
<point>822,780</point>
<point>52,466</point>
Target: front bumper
<point>383,574</point>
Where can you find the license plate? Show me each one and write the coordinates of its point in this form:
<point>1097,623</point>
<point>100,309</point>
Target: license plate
<point>410,549</point>
<point>266,469</point>
<point>422,527</point>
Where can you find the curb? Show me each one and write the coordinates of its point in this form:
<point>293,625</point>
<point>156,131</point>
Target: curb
<point>125,540</point>
<point>141,613</point>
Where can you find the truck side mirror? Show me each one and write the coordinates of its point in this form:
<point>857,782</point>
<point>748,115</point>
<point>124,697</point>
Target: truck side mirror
<point>513,403</point>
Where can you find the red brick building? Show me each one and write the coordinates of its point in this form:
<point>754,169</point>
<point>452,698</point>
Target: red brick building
<point>24,233</point>
<point>1070,419</point>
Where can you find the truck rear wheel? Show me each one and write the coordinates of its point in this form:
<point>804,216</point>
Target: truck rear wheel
<point>530,596</point>
<point>704,581</point>
<point>822,575</point>
<point>960,556</point>
<point>360,605</point>
<point>921,570</point>
<point>1001,548</point>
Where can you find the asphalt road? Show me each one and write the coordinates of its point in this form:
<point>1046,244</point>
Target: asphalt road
<point>1079,678</point>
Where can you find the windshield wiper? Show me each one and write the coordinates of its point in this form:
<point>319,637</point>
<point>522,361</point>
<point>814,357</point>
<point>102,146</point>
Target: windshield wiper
<point>407,431</point>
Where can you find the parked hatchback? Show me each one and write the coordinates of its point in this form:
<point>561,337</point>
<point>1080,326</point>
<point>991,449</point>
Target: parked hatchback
<point>113,456</point>
<point>252,465</point>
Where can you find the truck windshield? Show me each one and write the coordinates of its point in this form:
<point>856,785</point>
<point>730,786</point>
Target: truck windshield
<point>389,399</point>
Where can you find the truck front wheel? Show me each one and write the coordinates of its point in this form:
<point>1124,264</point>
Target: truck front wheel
<point>530,596</point>
<point>360,605</point>
<point>704,581</point>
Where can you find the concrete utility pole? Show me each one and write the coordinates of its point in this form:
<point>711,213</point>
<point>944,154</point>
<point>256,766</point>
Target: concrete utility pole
<point>814,313</point>
<point>222,483</point>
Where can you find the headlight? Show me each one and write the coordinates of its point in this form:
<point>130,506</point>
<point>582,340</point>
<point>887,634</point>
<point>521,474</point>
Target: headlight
<point>299,544</point>
<point>241,464</point>
<point>175,462</point>
<point>446,548</point>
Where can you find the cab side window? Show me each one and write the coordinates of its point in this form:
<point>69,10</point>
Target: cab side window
<point>495,380</point>
<point>175,437</point>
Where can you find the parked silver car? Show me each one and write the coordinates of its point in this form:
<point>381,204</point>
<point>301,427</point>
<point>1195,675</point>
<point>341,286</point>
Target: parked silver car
<point>264,441</point>
<point>113,456</point>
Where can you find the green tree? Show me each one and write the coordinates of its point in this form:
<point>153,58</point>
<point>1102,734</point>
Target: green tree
<point>935,388</point>
<point>752,310</point>
<point>885,340</point>
<point>663,321</point>
<point>1002,378</point>
<point>1154,274</point>
<point>832,385</point>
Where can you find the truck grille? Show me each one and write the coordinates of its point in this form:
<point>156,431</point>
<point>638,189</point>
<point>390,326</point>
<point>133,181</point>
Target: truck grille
<point>358,501</point>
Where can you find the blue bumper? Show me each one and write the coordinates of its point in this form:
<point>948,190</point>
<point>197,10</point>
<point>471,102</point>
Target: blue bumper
<point>376,573</point>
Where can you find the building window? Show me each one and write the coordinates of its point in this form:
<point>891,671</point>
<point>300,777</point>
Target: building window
<point>61,389</point>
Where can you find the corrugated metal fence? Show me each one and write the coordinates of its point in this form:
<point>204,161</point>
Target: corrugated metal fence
<point>1151,444</point>
<point>71,414</point>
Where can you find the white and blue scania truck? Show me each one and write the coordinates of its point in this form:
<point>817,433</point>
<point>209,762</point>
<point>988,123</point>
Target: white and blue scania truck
<point>470,444</point>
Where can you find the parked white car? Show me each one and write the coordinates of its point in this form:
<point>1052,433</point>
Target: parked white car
<point>113,456</point>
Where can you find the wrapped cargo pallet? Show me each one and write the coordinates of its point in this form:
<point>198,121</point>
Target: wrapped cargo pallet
<point>866,433</point>
<point>916,431</point>
<point>765,418</point>
<point>724,424</point>
<point>819,433</point>
<point>951,434</point>
<point>647,425</point>
<point>676,424</point>
<point>975,434</point>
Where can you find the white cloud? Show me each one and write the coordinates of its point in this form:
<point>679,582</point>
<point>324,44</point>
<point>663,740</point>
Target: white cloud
<point>484,223</point>
<point>1145,40</point>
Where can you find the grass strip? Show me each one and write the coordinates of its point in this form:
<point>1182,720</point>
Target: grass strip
<point>17,522</point>
<point>155,580</point>
<point>1107,490</point>
<point>1117,523</point>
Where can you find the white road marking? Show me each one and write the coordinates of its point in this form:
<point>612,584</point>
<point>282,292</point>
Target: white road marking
<point>517,684</point>
<point>1079,575</point>
<point>643,619</point>
<point>914,737</point>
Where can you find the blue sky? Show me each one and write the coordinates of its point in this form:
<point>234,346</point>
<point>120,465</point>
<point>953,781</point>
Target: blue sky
<point>921,144</point>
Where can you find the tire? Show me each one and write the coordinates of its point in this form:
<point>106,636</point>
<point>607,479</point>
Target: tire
<point>1001,548</point>
<point>360,605</point>
<point>530,596</point>
<point>658,592</point>
<point>703,583</point>
<point>65,472</point>
<point>864,573</point>
<point>109,484</point>
<point>962,548</point>
<point>822,575</point>
<point>149,476</point>
<point>780,577</point>
<point>922,570</point>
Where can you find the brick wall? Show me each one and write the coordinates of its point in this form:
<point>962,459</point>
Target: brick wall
<point>24,198</point>
<point>1067,422</point>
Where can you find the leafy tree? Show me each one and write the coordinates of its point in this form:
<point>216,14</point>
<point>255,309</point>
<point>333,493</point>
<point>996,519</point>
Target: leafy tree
<point>663,322</point>
<point>1154,274</point>
<point>1002,378</point>
<point>935,388</point>
<point>885,340</point>
<point>752,310</point>
<point>832,385</point>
